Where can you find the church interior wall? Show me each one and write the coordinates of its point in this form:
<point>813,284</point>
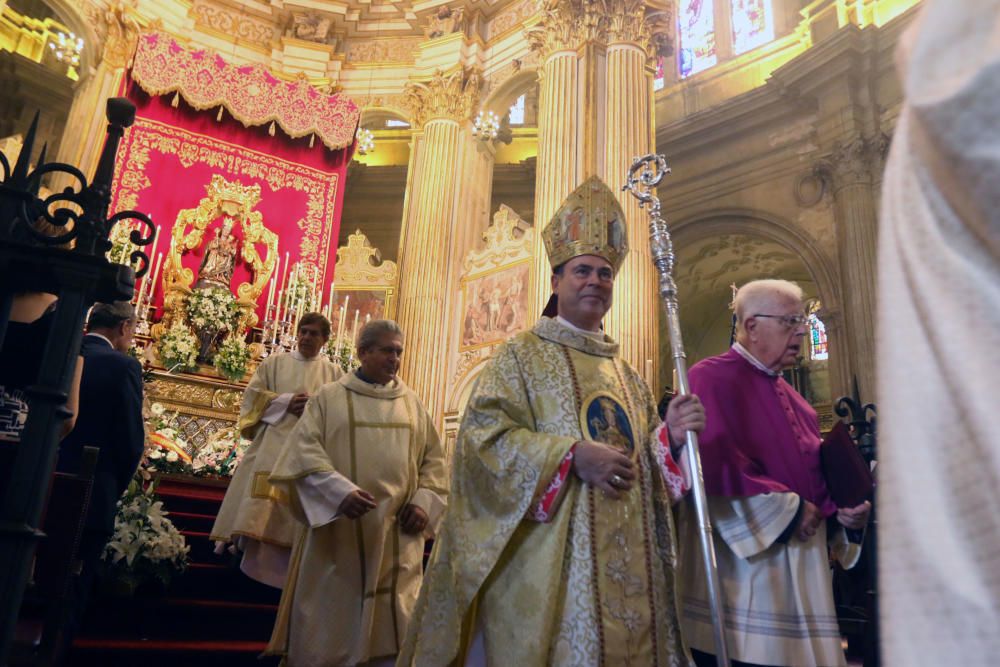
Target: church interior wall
<point>749,135</point>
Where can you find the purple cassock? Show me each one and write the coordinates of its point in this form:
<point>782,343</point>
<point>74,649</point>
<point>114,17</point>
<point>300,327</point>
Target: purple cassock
<point>761,435</point>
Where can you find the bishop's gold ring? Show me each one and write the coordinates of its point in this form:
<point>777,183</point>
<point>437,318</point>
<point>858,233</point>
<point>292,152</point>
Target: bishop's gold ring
<point>617,481</point>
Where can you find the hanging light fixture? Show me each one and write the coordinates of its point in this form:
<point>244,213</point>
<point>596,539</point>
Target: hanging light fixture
<point>366,141</point>
<point>365,137</point>
<point>486,127</point>
<point>67,48</point>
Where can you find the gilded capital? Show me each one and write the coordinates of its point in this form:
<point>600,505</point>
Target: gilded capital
<point>453,96</point>
<point>649,24</point>
<point>567,24</point>
<point>122,35</point>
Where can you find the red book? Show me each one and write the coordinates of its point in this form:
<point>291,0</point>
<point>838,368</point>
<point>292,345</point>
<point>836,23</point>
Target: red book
<point>848,476</point>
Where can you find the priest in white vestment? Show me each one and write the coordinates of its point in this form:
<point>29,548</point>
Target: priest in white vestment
<point>939,346</point>
<point>768,501</point>
<point>252,516</point>
<point>365,472</point>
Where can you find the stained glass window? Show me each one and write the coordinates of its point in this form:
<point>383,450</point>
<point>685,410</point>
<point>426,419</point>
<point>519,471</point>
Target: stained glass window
<point>696,31</point>
<point>660,79</point>
<point>517,112</point>
<point>753,24</point>
<point>818,348</point>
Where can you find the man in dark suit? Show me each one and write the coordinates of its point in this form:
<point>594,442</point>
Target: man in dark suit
<point>110,418</point>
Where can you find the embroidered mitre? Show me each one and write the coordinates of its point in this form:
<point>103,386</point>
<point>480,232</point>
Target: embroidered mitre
<point>589,222</point>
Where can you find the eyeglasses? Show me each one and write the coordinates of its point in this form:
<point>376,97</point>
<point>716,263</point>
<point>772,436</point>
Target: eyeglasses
<point>790,321</point>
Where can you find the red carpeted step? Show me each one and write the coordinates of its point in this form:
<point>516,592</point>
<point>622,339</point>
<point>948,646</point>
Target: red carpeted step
<point>221,582</point>
<point>133,653</point>
<point>180,619</point>
<point>192,521</point>
<point>202,547</point>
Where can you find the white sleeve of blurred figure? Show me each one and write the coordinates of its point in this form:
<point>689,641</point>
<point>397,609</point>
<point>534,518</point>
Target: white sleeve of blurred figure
<point>938,344</point>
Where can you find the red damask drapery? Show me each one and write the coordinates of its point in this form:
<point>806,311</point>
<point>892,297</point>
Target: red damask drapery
<point>199,117</point>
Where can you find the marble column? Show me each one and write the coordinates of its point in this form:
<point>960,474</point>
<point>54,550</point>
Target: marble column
<point>440,111</point>
<point>595,116</point>
<point>851,166</point>
<point>565,38</point>
<point>634,316</point>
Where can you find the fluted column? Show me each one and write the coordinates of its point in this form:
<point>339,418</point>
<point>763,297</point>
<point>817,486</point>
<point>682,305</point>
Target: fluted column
<point>555,173</point>
<point>851,165</point>
<point>440,109</point>
<point>595,116</point>
<point>634,316</point>
<point>568,37</point>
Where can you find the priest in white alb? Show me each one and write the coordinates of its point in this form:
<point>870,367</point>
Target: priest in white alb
<point>365,472</point>
<point>252,516</point>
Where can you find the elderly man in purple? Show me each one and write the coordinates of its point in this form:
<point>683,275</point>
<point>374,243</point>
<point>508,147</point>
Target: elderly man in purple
<point>768,500</point>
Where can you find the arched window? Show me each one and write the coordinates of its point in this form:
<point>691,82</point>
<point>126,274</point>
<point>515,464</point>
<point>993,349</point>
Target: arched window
<point>710,30</point>
<point>517,111</point>
<point>696,32</point>
<point>753,24</point>
<point>819,349</point>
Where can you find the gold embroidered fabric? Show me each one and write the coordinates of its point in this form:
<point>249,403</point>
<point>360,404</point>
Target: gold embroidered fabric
<point>596,585</point>
<point>250,93</point>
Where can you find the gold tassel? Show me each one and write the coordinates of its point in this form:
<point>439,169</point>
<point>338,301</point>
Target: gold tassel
<point>312,140</point>
<point>270,130</point>
<point>219,117</point>
<point>177,100</point>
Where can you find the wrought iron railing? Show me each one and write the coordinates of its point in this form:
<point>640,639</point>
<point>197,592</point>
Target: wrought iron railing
<point>65,257</point>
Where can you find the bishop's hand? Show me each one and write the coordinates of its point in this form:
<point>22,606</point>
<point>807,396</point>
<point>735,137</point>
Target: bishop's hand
<point>685,413</point>
<point>603,467</point>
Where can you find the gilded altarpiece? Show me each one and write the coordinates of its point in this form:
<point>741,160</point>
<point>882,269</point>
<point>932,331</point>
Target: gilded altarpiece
<point>365,288</point>
<point>496,290</point>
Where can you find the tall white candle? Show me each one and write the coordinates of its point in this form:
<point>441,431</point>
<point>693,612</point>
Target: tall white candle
<point>340,328</point>
<point>284,272</point>
<point>270,296</point>
<point>155,277</point>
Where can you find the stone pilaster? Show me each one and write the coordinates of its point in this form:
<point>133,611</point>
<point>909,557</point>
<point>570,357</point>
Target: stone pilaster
<point>440,110</point>
<point>851,167</point>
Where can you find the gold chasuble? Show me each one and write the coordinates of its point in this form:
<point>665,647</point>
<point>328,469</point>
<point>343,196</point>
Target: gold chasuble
<point>352,584</point>
<point>251,509</point>
<point>594,584</point>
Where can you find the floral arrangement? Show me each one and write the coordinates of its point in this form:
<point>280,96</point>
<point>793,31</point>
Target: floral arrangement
<point>146,545</point>
<point>233,358</point>
<point>221,454</point>
<point>168,452</point>
<point>178,348</point>
<point>343,357</point>
<point>212,309</point>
